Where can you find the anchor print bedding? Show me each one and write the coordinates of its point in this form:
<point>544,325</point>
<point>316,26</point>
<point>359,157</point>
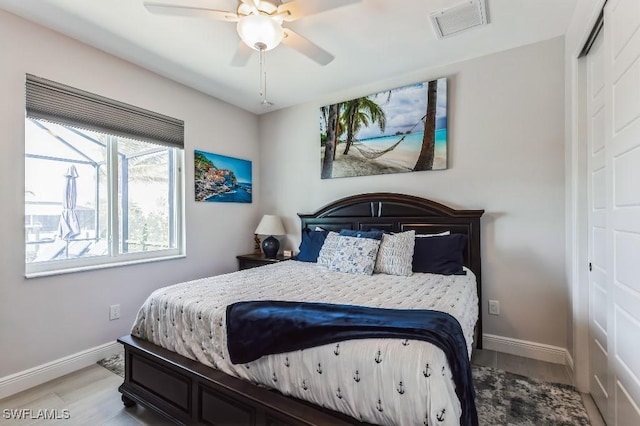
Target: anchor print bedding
<point>380,381</point>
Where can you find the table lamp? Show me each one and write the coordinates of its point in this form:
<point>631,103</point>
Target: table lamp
<point>270,225</point>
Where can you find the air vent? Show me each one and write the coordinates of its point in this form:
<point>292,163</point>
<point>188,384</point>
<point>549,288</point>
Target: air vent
<point>459,18</point>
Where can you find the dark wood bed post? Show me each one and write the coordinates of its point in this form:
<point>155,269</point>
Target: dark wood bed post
<point>187,392</point>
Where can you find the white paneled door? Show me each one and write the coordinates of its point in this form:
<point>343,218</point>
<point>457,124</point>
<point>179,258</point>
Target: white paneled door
<point>614,214</point>
<point>622,37</point>
<point>598,294</point>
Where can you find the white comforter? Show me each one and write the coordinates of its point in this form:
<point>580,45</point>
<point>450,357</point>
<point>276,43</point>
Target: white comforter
<point>382,381</point>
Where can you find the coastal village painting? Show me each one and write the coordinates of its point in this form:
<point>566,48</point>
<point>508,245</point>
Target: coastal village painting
<point>396,131</point>
<point>222,179</point>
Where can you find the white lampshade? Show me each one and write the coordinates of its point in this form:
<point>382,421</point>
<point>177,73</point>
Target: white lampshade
<point>260,32</point>
<point>270,225</point>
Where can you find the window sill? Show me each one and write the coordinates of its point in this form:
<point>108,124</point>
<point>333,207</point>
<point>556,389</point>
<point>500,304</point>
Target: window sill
<point>101,266</point>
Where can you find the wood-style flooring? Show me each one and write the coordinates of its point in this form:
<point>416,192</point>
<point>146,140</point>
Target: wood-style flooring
<point>91,395</point>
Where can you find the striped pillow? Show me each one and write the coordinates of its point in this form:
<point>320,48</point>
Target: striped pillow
<point>395,255</point>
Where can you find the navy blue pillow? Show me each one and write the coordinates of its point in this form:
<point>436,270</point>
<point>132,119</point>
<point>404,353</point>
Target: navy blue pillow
<point>374,235</point>
<point>440,255</point>
<point>310,245</point>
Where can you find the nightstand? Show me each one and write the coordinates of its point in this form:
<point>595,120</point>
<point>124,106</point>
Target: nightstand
<point>253,260</point>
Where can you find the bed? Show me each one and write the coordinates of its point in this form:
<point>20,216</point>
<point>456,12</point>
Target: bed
<point>186,376</point>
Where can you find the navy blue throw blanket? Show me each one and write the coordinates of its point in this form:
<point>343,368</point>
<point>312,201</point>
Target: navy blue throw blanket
<point>259,328</point>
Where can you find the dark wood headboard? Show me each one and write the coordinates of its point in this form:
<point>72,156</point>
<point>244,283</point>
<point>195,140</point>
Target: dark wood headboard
<point>399,212</point>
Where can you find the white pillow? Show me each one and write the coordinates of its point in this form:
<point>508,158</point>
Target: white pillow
<point>355,255</point>
<point>395,255</point>
<point>433,235</point>
<point>328,248</point>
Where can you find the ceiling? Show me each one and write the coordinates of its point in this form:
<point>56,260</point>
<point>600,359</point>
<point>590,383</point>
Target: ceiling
<point>372,41</point>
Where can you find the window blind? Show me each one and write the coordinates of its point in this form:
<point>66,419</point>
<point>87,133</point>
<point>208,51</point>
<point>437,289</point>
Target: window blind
<point>62,104</point>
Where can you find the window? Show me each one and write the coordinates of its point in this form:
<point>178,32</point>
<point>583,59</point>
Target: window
<point>98,194</point>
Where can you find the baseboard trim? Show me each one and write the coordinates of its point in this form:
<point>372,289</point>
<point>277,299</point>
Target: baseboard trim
<point>569,361</point>
<point>533,350</point>
<point>26,379</point>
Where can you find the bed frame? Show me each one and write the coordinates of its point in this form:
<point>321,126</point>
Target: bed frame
<point>187,392</point>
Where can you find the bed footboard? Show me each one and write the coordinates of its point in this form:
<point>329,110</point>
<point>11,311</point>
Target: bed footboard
<point>187,392</point>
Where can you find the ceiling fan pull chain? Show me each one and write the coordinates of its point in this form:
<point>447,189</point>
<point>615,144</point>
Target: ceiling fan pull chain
<point>262,75</point>
<point>263,80</point>
<point>265,102</point>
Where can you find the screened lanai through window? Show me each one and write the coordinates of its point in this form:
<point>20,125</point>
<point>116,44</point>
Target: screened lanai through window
<point>122,192</point>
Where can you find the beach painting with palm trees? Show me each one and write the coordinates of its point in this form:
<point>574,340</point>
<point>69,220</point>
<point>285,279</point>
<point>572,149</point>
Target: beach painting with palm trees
<point>222,179</point>
<point>395,131</point>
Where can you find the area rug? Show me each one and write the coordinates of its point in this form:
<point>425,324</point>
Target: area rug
<point>502,398</point>
<point>115,364</point>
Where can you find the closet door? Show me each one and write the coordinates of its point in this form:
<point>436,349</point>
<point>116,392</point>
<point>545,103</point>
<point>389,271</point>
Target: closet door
<point>622,79</point>
<point>598,294</point>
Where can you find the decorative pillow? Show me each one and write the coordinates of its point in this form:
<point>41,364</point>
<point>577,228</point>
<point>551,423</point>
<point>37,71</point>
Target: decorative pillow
<point>374,234</point>
<point>328,248</point>
<point>310,245</point>
<point>396,254</point>
<point>440,255</point>
<point>431,235</point>
<point>355,255</point>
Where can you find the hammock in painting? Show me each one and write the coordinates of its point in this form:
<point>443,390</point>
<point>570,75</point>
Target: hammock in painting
<point>372,154</point>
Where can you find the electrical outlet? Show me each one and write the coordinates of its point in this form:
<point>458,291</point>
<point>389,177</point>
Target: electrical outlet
<point>114,312</point>
<point>494,307</point>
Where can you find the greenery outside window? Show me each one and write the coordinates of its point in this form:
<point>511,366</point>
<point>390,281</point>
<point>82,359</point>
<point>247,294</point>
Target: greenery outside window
<point>97,196</point>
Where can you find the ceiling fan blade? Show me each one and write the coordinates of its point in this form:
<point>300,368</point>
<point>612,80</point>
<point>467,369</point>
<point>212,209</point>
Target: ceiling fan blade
<point>189,11</point>
<point>300,8</point>
<point>253,5</point>
<point>242,55</point>
<point>306,47</point>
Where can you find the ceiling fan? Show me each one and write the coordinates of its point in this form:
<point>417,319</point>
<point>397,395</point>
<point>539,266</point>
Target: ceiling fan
<point>260,24</point>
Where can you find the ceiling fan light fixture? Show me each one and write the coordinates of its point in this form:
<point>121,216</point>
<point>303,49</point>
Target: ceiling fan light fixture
<point>260,32</point>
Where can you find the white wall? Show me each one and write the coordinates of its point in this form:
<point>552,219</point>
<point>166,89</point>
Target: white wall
<point>45,319</point>
<point>506,156</point>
